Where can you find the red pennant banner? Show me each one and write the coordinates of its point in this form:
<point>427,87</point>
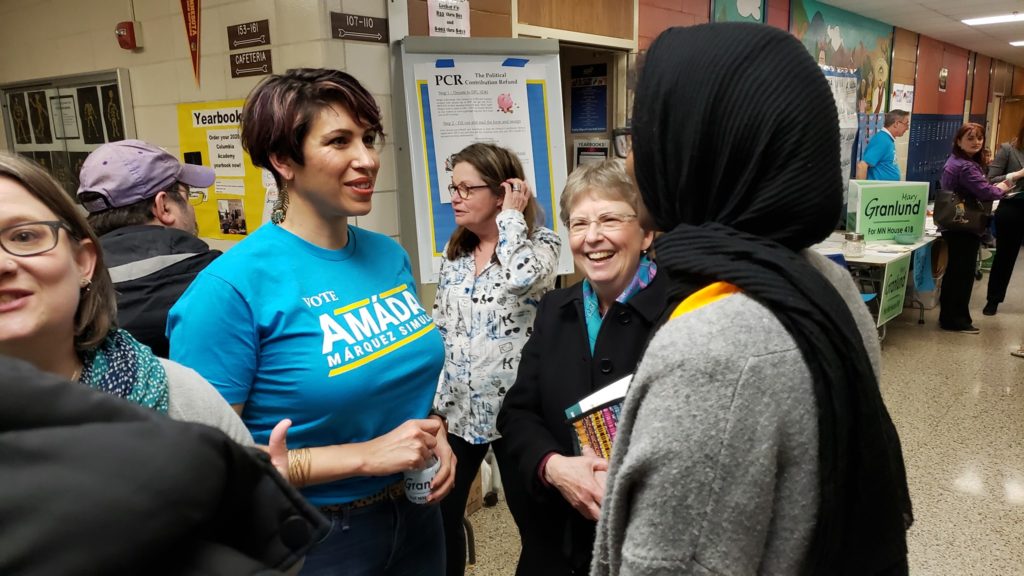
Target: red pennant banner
<point>190,11</point>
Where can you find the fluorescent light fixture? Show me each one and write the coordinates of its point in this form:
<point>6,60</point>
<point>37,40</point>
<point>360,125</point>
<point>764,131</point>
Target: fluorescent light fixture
<point>1017,43</point>
<point>1015,17</point>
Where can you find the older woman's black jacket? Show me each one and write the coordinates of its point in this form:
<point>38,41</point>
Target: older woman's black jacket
<point>557,370</point>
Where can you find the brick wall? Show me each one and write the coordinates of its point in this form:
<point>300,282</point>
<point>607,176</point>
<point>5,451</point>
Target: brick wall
<point>656,16</point>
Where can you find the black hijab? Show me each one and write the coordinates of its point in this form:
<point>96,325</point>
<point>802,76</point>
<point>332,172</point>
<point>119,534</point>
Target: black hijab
<point>736,153</point>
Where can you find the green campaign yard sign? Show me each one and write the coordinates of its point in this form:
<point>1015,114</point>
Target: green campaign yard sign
<point>881,210</point>
<point>894,289</point>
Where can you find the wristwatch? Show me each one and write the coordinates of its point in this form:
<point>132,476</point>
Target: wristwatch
<point>441,416</point>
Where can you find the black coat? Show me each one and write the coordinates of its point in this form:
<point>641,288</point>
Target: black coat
<point>556,371</point>
<point>151,267</point>
<point>95,485</point>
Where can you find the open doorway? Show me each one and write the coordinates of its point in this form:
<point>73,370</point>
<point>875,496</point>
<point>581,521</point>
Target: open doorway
<point>1010,118</point>
<point>594,100</point>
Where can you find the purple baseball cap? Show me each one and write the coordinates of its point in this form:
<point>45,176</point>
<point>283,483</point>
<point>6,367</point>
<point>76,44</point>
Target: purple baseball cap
<point>129,171</point>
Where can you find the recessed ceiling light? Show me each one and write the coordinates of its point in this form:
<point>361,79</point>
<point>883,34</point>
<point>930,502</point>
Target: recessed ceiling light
<point>1017,43</point>
<point>1015,17</point>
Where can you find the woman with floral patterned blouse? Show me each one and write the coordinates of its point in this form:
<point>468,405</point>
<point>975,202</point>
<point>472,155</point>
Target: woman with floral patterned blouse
<point>498,264</point>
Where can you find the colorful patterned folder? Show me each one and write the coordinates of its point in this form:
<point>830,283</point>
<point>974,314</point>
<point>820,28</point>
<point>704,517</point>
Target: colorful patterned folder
<point>595,418</point>
<point>597,429</point>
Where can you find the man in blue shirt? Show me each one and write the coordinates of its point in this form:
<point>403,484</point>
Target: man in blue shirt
<point>879,159</point>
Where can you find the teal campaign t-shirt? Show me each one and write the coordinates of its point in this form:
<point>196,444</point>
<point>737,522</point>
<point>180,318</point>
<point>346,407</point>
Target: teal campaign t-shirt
<point>336,340</point>
<point>880,156</point>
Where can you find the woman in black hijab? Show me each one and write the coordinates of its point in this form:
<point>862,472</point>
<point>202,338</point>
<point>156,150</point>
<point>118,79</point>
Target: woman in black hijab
<point>754,439</point>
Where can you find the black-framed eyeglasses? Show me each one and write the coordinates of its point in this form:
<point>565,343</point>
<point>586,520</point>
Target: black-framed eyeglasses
<point>464,191</point>
<point>32,238</point>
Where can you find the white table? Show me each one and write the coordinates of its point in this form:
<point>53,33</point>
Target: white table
<point>885,267</point>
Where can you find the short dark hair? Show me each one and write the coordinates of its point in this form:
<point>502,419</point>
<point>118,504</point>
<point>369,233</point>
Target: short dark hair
<point>495,165</point>
<point>281,109</point>
<point>894,116</point>
<point>131,215</point>
<point>97,308</point>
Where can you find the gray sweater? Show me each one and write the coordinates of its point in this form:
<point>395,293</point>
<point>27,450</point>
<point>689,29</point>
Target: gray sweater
<point>190,398</point>
<point>715,466</point>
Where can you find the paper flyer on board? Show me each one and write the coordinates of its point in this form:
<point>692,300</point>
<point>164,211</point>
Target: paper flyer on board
<point>843,82</point>
<point>478,102</point>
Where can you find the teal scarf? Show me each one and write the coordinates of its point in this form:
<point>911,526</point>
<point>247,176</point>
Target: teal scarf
<point>591,309</point>
<point>123,367</point>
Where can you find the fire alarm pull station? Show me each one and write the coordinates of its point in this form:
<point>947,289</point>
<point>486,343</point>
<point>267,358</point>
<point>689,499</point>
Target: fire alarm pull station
<point>128,35</point>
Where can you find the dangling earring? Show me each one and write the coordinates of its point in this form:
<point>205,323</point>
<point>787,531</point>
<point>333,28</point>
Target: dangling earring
<point>281,206</point>
<point>85,284</point>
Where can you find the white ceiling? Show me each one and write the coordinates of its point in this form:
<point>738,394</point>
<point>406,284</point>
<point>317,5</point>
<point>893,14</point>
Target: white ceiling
<point>941,19</point>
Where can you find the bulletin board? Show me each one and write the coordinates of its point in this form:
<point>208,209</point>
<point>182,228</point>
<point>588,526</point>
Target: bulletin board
<point>57,122</point>
<point>242,196</point>
<point>458,91</point>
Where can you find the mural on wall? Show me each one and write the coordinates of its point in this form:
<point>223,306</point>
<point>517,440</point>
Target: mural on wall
<point>737,10</point>
<point>839,38</point>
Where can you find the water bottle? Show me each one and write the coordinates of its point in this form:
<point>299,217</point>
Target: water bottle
<point>417,482</point>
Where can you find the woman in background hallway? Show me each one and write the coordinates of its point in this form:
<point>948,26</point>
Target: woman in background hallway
<point>964,174</point>
<point>754,438</point>
<point>497,265</point>
<point>1006,167</point>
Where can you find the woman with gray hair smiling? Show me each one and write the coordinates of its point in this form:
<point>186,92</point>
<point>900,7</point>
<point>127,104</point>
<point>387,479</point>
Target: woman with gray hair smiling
<point>585,337</point>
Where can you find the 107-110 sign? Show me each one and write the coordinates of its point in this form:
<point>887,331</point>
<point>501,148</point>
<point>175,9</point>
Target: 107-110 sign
<point>356,27</point>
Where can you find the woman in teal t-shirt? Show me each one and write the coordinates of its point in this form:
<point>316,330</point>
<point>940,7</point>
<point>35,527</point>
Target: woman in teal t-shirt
<point>317,322</point>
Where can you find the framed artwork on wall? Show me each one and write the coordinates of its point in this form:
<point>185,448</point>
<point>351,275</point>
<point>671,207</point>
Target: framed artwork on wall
<point>39,117</point>
<point>57,122</point>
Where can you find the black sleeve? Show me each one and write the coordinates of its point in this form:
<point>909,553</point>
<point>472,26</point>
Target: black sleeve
<point>520,420</point>
<point>998,168</point>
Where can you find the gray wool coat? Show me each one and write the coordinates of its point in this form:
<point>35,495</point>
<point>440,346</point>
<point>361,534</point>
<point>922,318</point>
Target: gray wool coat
<point>715,466</point>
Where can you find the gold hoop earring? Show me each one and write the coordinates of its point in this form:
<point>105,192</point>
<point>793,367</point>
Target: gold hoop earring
<point>85,284</point>
<point>280,206</point>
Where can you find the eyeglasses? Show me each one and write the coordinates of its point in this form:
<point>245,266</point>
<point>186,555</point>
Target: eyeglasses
<point>32,238</point>
<point>464,191</point>
<point>608,222</point>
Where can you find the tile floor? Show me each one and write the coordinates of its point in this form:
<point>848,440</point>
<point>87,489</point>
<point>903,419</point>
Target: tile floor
<point>958,402</point>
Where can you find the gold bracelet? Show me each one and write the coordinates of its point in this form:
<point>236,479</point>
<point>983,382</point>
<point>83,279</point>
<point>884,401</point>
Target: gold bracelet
<point>299,463</point>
